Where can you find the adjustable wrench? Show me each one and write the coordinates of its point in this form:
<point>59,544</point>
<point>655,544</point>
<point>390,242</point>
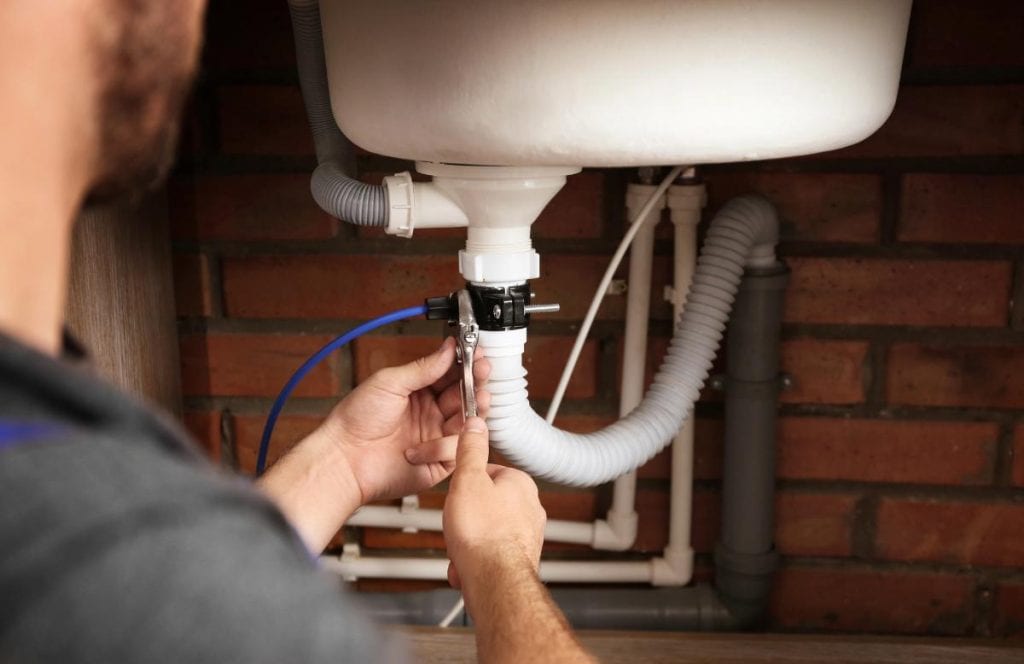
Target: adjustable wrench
<point>466,338</point>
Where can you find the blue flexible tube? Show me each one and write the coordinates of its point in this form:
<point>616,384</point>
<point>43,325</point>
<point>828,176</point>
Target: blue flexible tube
<point>315,359</point>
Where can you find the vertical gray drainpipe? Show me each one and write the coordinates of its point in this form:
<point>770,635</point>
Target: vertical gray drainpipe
<point>745,558</point>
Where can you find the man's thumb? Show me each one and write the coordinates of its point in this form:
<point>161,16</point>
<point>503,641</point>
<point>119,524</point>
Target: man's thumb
<point>421,372</point>
<point>471,455</point>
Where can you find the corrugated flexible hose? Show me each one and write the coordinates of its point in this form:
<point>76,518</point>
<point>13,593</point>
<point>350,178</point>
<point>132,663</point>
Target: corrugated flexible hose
<point>743,233</point>
<point>333,187</point>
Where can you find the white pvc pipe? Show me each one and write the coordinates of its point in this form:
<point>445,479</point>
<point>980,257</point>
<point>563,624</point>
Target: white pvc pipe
<point>685,203</point>
<point>634,343</point>
<point>551,571</point>
<point>382,516</point>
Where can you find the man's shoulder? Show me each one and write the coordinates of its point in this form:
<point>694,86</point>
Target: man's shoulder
<point>109,531</point>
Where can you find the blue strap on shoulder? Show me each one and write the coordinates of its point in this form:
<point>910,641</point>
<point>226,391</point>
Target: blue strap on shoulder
<point>13,434</point>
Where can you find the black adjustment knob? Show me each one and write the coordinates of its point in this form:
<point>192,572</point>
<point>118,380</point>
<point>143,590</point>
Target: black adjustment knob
<point>442,307</point>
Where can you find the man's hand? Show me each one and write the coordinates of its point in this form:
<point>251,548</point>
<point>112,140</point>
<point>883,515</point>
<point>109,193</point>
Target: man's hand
<point>493,518</point>
<point>399,428</point>
<point>494,530</point>
<point>394,435</point>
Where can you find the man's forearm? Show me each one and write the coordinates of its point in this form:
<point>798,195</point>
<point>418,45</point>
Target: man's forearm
<point>515,617</point>
<point>315,488</point>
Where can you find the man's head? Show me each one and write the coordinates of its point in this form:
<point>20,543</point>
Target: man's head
<point>144,56</point>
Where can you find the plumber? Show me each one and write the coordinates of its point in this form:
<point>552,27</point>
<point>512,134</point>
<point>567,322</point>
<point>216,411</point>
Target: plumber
<point>118,542</point>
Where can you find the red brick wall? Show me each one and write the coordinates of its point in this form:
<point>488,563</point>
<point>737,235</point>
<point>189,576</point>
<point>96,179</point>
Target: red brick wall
<point>901,445</point>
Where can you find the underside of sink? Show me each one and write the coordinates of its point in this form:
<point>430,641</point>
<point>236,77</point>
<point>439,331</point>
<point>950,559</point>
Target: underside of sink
<point>611,82</point>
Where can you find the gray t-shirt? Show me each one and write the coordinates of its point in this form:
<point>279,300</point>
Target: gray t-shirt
<point>120,543</point>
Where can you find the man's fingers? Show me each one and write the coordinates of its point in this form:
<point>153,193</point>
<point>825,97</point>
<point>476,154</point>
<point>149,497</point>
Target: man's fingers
<point>453,416</point>
<point>481,369</point>
<point>447,387</point>
<point>420,373</point>
<point>439,450</point>
<point>471,456</point>
<point>507,475</point>
<point>450,401</point>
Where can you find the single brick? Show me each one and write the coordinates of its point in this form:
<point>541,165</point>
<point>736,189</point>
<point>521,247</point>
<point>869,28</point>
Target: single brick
<point>1008,617</point>
<point>1018,455</point>
<point>814,524</point>
<point>577,211</point>
<point>831,372</point>
<point>938,207</point>
<point>372,353</point>
<point>947,121</point>
<point>247,207</point>
<point>204,426</point>
<point>861,599</point>
<point>960,533</point>
<point>218,364</point>
<point>192,290</point>
<point>857,291</point>
<point>288,431</point>
<point>818,207</point>
<point>941,375</point>
<point>333,286</point>
<point>859,450</point>
<point>262,120</point>
<point>955,34</point>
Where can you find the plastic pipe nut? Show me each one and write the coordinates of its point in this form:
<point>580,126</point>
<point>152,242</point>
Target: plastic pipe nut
<point>414,205</point>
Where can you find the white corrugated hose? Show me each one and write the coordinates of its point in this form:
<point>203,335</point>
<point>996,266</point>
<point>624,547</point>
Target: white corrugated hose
<point>743,233</point>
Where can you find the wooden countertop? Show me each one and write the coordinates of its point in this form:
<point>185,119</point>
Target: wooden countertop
<point>432,644</point>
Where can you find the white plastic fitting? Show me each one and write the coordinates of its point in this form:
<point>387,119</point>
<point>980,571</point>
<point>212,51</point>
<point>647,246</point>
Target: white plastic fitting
<point>499,203</point>
<point>617,532</point>
<point>413,205</point>
<point>672,568</point>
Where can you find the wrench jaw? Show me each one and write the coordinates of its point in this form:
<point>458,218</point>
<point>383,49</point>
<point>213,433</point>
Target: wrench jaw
<point>466,339</point>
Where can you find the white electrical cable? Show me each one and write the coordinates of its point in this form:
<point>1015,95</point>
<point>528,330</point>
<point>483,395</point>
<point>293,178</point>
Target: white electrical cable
<point>453,614</point>
<point>602,289</point>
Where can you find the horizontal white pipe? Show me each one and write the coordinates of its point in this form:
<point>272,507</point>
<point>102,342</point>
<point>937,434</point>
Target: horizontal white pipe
<point>382,516</point>
<point>551,571</point>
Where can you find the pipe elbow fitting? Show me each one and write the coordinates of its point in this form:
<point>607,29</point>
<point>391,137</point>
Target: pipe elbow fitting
<point>673,568</point>
<point>617,532</point>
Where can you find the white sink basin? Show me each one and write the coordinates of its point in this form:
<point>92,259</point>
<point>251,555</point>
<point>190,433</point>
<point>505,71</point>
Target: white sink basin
<point>611,82</point>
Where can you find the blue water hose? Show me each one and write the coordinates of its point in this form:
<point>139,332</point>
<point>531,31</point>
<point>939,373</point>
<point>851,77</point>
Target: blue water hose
<point>315,359</point>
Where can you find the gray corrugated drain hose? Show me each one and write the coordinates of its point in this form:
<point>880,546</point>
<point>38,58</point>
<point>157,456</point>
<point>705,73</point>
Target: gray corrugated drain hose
<point>743,233</point>
<point>333,187</point>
